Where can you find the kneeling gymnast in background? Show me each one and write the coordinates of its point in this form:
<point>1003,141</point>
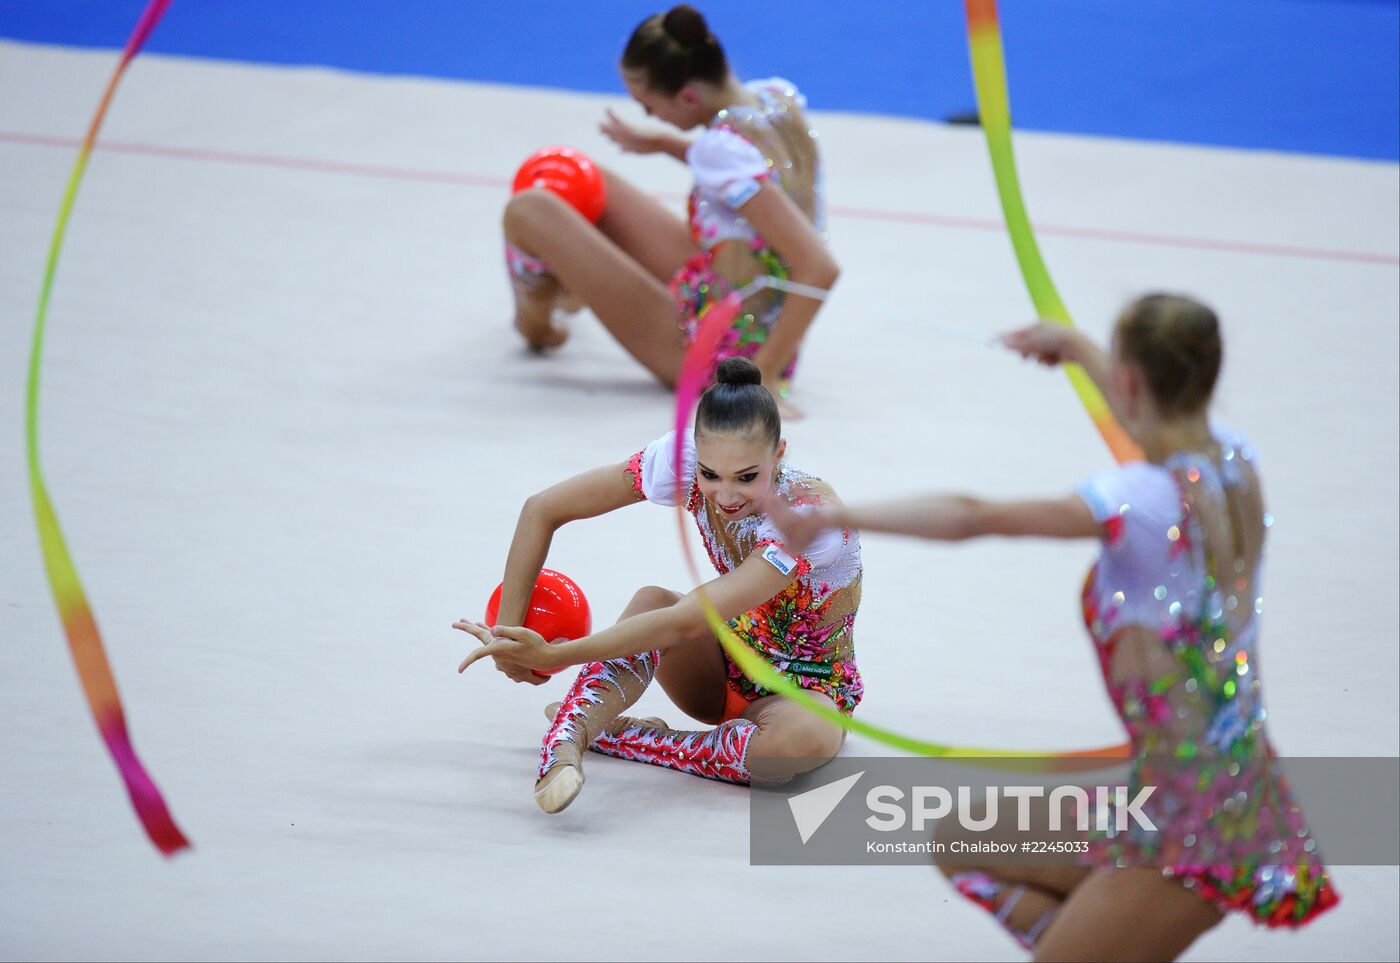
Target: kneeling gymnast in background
<point>756,212</point>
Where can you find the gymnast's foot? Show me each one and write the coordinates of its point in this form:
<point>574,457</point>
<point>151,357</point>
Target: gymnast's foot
<point>541,336</point>
<point>561,784</point>
<point>535,313</point>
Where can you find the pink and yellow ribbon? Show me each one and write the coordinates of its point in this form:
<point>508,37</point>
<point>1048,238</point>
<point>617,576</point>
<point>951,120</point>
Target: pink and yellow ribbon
<point>994,110</point>
<point>84,640</point>
<point>695,374</point>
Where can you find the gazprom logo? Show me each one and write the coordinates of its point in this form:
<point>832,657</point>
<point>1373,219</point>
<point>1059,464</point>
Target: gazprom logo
<point>779,559</point>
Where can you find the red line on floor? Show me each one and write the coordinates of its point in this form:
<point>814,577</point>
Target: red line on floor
<point>859,213</point>
<point>266,160</point>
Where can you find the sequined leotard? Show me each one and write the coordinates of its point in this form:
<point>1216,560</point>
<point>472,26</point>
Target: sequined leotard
<point>1174,615</point>
<point>805,631</point>
<point>742,148</point>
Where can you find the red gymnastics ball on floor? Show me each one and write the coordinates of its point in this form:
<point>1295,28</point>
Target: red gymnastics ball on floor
<point>558,609</point>
<point>568,173</point>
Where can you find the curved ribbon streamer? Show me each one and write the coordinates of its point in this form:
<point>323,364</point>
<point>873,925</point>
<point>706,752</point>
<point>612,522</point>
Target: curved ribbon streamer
<point>84,640</point>
<point>994,111</point>
<point>694,375</point>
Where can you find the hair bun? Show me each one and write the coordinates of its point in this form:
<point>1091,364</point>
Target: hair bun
<point>738,371</point>
<point>685,25</point>
<point>737,403</point>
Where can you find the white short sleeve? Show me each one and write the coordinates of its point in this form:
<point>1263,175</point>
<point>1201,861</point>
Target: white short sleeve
<point>658,468</point>
<point>1141,490</point>
<point>1141,496</point>
<point>726,165</point>
<point>1105,494</point>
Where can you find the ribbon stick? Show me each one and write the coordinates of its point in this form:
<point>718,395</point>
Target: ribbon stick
<point>994,111</point>
<point>84,640</point>
<point>695,374</point>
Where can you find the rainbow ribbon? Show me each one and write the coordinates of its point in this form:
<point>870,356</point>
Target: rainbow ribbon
<point>994,111</point>
<point>695,374</point>
<point>84,641</point>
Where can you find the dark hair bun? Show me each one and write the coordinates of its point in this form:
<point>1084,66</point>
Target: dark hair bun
<point>685,25</point>
<point>674,48</point>
<point>738,402</point>
<point>738,371</point>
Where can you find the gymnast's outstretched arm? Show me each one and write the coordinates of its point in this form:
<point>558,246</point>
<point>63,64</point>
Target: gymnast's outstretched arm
<point>940,517</point>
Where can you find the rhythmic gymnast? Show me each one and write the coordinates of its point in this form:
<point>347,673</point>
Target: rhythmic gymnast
<point>797,610</point>
<point>1172,607</point>
<point>756,210</point>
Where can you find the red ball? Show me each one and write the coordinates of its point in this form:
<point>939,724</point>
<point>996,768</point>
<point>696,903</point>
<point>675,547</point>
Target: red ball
<point>558,609</point>
<point>568,173</point>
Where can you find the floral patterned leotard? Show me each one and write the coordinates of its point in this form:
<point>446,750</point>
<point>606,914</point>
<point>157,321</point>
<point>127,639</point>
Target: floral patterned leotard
<point>805,631</point>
